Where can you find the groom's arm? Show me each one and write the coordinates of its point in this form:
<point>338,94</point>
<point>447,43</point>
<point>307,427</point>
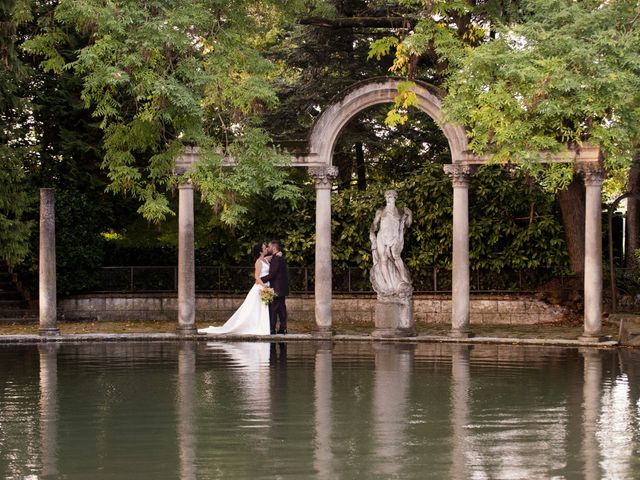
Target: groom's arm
<point>274,269</point>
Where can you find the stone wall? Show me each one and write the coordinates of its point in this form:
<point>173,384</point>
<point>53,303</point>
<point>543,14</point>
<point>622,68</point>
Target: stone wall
<point>216,308</point>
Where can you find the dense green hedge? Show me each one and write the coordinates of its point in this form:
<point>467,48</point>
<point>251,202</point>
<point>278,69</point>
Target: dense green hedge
<point>514,224</point>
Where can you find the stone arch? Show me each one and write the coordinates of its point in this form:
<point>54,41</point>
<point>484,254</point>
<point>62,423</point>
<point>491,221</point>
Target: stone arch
<point>362,95</point>
<point>318,159</point>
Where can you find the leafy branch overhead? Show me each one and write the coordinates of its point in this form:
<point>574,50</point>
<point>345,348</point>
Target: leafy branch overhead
<point>164,75</point>
<point>550,75</point>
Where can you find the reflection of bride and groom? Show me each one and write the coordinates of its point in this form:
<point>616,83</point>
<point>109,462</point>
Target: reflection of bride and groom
<point>254,316</point>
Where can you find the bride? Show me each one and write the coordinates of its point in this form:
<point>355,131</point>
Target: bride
<point>252,317</point>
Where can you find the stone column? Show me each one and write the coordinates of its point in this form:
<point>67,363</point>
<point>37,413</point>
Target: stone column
<point>323,177</point>
<point>460,175</point>
<point>186,262</point>
<point>47,267</point>
<point>593,177</point>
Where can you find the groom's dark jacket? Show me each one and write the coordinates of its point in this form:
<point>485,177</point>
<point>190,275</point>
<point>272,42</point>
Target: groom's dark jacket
<point>278,276</point>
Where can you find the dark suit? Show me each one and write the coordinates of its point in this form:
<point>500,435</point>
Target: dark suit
<point>278,279</point>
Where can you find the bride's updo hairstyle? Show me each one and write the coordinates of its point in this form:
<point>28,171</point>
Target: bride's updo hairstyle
<point>257,251</point>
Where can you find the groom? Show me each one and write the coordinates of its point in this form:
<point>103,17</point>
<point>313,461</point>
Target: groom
<point>278,278</point>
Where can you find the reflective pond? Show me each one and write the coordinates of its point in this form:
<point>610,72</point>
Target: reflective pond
<point>316,410</point>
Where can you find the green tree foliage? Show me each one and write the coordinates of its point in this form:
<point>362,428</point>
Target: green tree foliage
<point>513,222</point>
<point>556,74</point>
<point>17,145</point>
<point>164,75</point>
<point>568,73</point>
<point>79,247</point>
<point>15,204</point>
<point>316,62</point>
<point>527,236</point>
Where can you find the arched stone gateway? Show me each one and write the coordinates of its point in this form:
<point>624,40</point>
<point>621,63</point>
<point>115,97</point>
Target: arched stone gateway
<point>363,95</point>
<point>319,160</point>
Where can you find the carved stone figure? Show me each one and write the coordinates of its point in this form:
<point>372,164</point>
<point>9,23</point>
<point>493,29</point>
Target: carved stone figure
<point>389,276</point>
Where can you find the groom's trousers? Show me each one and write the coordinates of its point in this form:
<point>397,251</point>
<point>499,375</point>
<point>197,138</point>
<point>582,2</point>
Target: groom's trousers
<point>278,311</point>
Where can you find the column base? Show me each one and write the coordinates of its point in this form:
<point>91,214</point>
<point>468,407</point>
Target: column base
<point>384,333</point>
<point>393,332</point>
<point>187,330</point>
<point>586,338</point>
<point>323,332</point>
<point>460,333</point>
<point>49,332</point>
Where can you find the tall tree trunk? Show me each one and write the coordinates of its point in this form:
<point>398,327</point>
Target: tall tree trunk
<point>572,206</point>
<point>360,167</point>
<point>631,231</point>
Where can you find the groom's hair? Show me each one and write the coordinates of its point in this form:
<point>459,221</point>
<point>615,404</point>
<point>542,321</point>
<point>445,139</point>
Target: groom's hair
<point>277,244</point>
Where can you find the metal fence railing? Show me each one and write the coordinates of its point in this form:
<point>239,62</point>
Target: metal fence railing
<point>347,280</point>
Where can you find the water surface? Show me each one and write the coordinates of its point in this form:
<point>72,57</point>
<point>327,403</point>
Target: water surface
<point>304,410</point>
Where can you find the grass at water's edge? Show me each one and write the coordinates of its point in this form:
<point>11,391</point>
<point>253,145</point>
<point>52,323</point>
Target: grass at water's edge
<point>543,331</point>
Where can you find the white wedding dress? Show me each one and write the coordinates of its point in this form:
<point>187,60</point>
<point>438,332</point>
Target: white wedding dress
<point>251,318</point>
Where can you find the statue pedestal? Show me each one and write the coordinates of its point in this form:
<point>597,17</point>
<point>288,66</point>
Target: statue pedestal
<point>394,318</point>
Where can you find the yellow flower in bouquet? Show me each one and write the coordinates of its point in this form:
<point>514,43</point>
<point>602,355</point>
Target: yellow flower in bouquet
<point>267,294</point>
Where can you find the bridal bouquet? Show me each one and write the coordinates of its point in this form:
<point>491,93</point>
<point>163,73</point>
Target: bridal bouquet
<point>267,294</point>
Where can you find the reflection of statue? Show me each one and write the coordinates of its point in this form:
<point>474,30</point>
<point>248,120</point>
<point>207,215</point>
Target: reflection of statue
<point>389,275</point>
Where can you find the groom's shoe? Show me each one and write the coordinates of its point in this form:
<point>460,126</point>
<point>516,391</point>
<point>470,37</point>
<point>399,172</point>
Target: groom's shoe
<point>282,332</point>
<point>273,332</point>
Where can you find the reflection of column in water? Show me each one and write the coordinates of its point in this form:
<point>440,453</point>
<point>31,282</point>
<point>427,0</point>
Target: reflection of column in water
<point>186,409</point>
<point>49,408</point>
<point>460,384</point>
<point>323,456</point>
<point>391,389</point>
<point>591,412</point>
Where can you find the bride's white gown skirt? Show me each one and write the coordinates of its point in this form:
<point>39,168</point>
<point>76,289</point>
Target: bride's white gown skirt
<point>251,318</point>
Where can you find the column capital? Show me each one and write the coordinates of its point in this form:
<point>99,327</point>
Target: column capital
<point>592,172</point>
<point>186,160</point>
<point>460,174</point>
<point>324,176</point>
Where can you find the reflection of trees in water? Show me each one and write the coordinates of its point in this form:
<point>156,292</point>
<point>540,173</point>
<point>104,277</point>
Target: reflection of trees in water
<point>346,410</point>
<point>521,414</point>
<point>117,402</point>
<point>617,432</point>
<point>19,412</point>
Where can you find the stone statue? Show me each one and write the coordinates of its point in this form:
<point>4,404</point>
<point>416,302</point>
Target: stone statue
<point>389,276</point>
